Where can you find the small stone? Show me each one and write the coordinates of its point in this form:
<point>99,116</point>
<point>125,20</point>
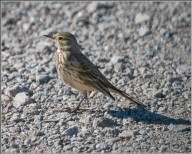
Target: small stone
<point>179,128</point>
<point>5,141</point>
<point>12,91</point>
<point>142,70</point>
<point>128,134</point>
<point>163,148</point>
<point>71,131</point>
<point>115,146</point>
<point>27,141</point>
<point>10,21</point>
<point>14,145</point>
<point>40,133</point>
<point>142,132</point>
<point>92,7</point>
<point>85,131</point>
<point>115,59</point>
<point>101,146</point>
<point>144,31</point>
<point>173,79</point>
<point>141,18</point>
<point>85,119</point>
<point>15,117</point>
<point>42,45</point>
<point>26,27</point>
<point>158,94</point>
<point>121,82</point>
<point>103,122</point>
<point>67,147</point>
<point>43,79</point>
<point>162,109</point>
<point>147,75</point>
<point>20,99</point>
<point>156,85</point>
<point>168,34</point>
<point>166,91</point>
<point>112,133</point>
<point>113,140</point>
<point>182,69</point>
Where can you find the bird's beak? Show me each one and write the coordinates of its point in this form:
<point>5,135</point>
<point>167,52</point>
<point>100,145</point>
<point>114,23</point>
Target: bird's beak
<point>50,36</point>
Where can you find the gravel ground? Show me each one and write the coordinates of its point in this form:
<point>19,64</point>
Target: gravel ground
<point>142,48</point>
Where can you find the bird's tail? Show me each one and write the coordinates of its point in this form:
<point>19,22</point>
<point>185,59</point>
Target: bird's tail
<point>127,96</point>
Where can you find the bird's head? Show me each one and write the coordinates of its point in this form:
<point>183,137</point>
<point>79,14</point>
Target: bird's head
<point>63,38</point>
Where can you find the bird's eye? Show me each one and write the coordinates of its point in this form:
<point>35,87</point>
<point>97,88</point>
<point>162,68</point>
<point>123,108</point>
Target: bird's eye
<point>60,38</point>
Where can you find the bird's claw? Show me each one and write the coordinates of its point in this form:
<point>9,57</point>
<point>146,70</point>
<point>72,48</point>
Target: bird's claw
<point>73,111</point>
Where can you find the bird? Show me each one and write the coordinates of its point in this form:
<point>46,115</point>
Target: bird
<point>77,71</point>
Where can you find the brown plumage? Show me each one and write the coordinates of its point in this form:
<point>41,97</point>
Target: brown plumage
<point>78,71</point>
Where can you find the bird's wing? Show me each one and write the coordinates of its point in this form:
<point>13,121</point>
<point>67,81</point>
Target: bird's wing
<point>86,68</point>
<point>88,73</point>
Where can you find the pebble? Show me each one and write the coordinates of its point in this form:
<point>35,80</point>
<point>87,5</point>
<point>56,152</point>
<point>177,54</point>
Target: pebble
<point>85,131</point>
<point>42,79</point>
<point>128,134</point>
<point>173,79</point>
<point>163,148</point>
<point>15,117</point>
<point>12,91</point>
<point>71,131</point>
<point>26,27</point>
<point>103,122</point>
<point>40,133</point>
<point>159,94</point>
<point>140,17</point>
<point>42,45</point>
<point>162,109</point>
<point>143,31</point>
<point>142,70</point>
<point>101,146</point>
<point>115,59</point>
<point>20,99</point>
<point>182,69</point>
<point>15,146</point>
<point>92,7</point>
<point>179,128</point>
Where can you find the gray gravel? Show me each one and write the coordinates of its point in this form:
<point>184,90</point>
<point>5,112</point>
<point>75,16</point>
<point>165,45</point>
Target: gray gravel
<point>142,48</point>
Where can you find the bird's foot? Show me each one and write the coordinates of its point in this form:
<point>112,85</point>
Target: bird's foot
<point>73,111</point>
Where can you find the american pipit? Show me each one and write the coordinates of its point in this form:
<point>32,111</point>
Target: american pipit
<point>78,71</point>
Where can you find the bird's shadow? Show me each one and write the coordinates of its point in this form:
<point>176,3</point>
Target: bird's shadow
<point>140,114</point>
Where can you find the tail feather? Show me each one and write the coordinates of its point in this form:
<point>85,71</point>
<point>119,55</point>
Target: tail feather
<point>127,96</point>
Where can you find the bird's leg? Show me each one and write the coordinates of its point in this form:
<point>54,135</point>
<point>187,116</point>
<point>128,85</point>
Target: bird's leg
<point>92,94</point>
<point>77,107</point>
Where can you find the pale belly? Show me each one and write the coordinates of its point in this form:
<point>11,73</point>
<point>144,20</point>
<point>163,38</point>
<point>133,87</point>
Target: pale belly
<point>69,76</point>
<point>71,79</point>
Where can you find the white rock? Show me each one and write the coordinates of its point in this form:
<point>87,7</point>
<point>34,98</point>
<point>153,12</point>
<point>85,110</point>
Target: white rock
<point>26,27</point>
<point>92,7</point>
<point>85,131</point>
<point>183,69</point>
<point>142,70</point>
<point>141,18</point>
<point>41,45</point>
<point>20,99</point>
<point>143,31</point>
<point>128,134</point>
<point>115,59</point>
